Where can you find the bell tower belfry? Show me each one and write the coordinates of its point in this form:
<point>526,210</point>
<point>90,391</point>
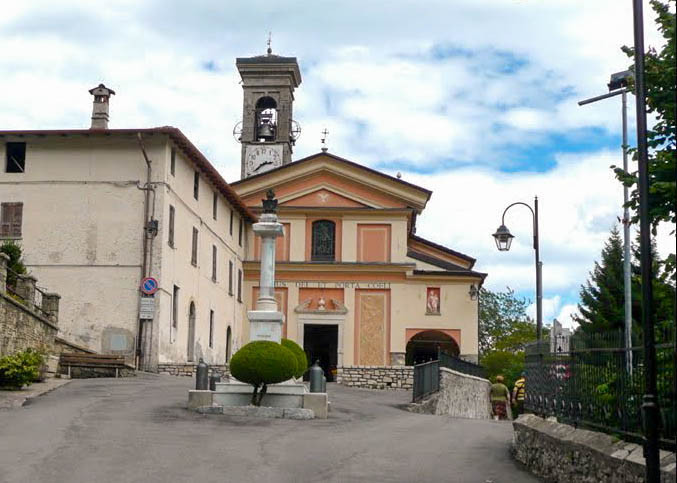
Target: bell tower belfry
<point>267,131</point>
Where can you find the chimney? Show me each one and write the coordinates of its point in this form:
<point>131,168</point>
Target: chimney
<point>100,108</point>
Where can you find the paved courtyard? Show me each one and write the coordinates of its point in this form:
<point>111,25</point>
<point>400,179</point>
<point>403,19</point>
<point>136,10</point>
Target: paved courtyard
<point>137,429</point>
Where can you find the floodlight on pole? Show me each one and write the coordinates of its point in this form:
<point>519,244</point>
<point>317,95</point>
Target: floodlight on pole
<point>619,85</point>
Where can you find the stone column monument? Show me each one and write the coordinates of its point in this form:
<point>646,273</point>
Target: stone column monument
<point>265,323</point>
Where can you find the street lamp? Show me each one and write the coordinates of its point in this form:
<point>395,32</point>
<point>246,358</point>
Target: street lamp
<point>619,85</point>
<point>504,238</point>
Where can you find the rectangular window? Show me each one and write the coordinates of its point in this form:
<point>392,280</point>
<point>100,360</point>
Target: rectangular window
<point>213,263</point>
<point>11,218</point>
<point>172,162</point>
<point>215,202</point>
<point>230,277</point>
<point>193,255</point>
<point>15,156</point>
<point>240,230</point>
<point>231,222</point>
<point>175,307</point>
<point>196,185</point>
<point>170,237</point>
<point>211,328</point>
<point>239,285</point>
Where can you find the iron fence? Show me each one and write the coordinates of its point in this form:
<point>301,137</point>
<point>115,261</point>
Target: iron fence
<point>426,379</point>
<point>597,383</point>
<point>465,367</point>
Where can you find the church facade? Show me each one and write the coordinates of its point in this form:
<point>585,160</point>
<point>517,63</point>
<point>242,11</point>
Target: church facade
<point>99,210</point>
<point>354,282</point>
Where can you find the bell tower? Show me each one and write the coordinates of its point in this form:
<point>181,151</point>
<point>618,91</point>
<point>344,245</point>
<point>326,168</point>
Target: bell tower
<point>267,131</point>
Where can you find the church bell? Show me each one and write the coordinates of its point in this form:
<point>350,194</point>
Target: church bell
<point>265,130</point>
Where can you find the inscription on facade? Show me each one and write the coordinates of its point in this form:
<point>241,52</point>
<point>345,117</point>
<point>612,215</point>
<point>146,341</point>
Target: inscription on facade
<point>342,284</point>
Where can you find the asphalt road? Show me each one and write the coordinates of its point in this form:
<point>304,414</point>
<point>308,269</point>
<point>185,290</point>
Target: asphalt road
<point>137,429</point>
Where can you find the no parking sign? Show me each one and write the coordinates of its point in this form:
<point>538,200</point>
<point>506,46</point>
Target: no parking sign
<point>149,285</point>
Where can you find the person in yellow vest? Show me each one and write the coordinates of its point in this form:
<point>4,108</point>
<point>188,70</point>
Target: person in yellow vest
<point>518,392</point>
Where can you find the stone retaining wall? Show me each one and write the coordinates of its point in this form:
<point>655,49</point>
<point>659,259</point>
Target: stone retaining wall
<point>62,345</point>
<point>22,328</point>
<point>376,377</point>
<point>460,395</point>
<point>189,369</point>
<point>561,453</point>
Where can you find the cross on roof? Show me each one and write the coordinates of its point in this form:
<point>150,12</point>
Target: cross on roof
<point>324,140</point>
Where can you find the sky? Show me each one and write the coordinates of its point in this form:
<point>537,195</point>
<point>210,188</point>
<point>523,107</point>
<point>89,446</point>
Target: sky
<point>473,99</point>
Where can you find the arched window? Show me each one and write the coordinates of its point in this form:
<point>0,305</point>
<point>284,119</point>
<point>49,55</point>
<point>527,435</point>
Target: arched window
<point>229,343</point>
<point>323,243</point>
<point>190,356</point>
<point>266,119</point>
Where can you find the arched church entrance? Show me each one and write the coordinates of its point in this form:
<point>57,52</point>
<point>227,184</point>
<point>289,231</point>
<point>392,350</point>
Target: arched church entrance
<point>425,345</point>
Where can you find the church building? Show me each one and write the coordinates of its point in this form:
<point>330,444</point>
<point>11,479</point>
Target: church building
<point>354,282</point>
<point>100,211</point>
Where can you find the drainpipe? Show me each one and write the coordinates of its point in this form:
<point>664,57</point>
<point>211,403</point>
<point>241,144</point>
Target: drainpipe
<point>145,266</point>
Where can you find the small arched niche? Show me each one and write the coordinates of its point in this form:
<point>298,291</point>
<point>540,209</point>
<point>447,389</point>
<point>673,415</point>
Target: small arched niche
<point>266,119</point>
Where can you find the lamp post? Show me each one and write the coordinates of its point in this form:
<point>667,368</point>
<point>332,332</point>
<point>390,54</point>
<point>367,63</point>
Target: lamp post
<point>650,407</point>
<point>504,238</point>
<point>618,85</point>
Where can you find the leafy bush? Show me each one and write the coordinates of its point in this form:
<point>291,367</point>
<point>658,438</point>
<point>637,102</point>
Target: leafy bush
<point>260,363</point>
<point>36,358</point>
<point>506,363</point>
<point>15,263</point>
<point>20,369</point>
<point>301,358</point>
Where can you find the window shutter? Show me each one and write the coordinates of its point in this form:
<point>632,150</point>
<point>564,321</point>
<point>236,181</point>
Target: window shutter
<point>12,219</point>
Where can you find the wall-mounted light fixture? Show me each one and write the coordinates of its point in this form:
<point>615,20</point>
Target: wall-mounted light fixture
<point>473,292</point>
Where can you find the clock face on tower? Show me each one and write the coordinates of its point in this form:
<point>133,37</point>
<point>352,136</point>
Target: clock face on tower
<point>261,158</point>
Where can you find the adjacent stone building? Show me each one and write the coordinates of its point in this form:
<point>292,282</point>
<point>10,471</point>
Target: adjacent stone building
<point>97,210</point>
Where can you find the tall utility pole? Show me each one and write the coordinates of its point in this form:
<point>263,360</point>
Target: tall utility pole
<point>619,85</point>
<point>650,401</point>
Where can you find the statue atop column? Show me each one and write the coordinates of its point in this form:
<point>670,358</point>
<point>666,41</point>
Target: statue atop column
<point>265,322</point>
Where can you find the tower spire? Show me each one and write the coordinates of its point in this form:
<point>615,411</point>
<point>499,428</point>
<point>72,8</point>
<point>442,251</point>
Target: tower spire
<point>270,40</point>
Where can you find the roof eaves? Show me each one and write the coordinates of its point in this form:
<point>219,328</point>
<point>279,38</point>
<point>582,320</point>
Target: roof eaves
<point>433,261</point>
<point>452,273</point>
<point>176,135</point>
<point>463,256</point>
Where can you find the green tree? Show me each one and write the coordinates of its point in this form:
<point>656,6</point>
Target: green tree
<point>602,306</point>
<point>500,315</point>
<point>602,297</point>
<point>663,283</point>
<point>505,329</point>
<point>660,72</point>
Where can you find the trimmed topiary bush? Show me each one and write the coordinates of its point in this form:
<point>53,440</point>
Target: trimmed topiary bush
<point>301,358</point>
<point>260,363</point>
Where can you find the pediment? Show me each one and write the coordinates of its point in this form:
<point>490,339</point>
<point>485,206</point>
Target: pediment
<point>322,197</point>
<point>327,180</point>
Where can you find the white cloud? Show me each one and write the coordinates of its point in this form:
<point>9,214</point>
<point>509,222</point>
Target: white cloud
<point>457,89</point>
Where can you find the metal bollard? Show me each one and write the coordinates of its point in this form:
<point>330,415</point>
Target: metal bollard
<point>315,375</point>
<point>213,379</point>
<point>202,376</point>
